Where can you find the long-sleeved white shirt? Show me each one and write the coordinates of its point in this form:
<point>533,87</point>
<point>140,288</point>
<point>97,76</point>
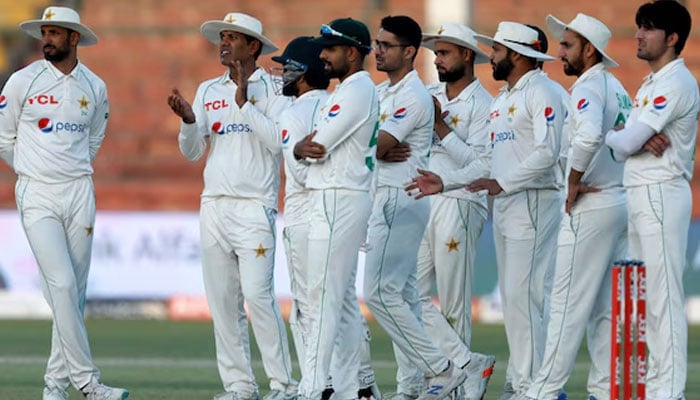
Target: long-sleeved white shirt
<point>295,123</point>
<point>52,124</point>
<point>407,114</point>
<point>525,125</point>
<point>347,127</point>
<point>599,102</point>
<point>244,158</point>
<point>465,148</point>
<point>668,101</point>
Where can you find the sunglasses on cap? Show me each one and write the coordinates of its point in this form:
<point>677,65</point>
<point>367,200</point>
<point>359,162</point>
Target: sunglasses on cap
<point>327,31</point>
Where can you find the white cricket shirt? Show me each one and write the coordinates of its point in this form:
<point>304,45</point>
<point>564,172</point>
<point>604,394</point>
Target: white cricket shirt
<point>243,161</point>
<point>294,124</point>
<point>52,124</point>
<point>525,127</point>
<point>347,127</point>
<point>464,147</point>
<point>407,114</point>
<point>599,102</point>
<point>668,102</point>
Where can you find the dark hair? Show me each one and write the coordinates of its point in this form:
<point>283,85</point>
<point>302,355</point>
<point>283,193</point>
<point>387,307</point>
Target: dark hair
<point>405,28</point>
<point>669,15</point>
<point>317,79</point>
<point>249,39</point>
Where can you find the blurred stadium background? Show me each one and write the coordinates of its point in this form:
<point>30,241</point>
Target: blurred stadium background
<point>146,250</point>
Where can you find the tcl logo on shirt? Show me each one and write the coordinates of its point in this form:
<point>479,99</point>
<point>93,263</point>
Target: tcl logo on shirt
<point>42,99</point>
<point>215,105</point>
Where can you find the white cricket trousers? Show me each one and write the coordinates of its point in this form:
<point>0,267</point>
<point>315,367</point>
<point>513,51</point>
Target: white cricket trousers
<point>589,243</point>
<point>58,220</point>
<point>659,218</point>
<point>337,228</point>
<point>446,260</point>
<point>525,228</point>
<point>396,229</point>
<point>238,258</point>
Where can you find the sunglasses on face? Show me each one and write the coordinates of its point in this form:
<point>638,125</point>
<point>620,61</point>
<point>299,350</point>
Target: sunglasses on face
<point>327,31</point>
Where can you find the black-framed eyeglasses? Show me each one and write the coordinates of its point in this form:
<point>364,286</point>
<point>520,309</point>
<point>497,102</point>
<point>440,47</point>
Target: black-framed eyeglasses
<point>327,31</point>
<point>384,46</point>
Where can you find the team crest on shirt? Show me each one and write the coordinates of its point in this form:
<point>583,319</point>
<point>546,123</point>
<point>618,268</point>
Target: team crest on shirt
<point>334,111</point>
<point>660,103</point>
<point>3,102</point>
<point>285,136</point>
<point>45,125</point>
<point>549,114</point>
<point>400,113</point>
<point>582,105</point>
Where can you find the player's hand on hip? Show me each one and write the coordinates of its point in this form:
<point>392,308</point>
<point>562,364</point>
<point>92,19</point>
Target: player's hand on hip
<point>425,184</point>
<point>307,148</point>
<point>657,144</point>
<point>181,107</point>
<point>574,192</point>
<point>399,153</point>
<point>491,186</point>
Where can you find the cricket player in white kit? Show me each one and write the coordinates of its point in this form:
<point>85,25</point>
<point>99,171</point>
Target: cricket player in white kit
<point>234,113</point>
<point>397,222</point>
<point>593,232</point>
<point>53,115</point>
<point>341,154</point>
<point>658,146</point>
<point>525,126</point>
<point>448,249</point>
<point>304,79</point>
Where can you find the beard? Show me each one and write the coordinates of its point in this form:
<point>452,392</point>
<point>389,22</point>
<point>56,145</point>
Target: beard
<point>290,89</point>
<point>452,75</point>
<point>502,69</point>
<point>59,53</point>
<point>573,68</point>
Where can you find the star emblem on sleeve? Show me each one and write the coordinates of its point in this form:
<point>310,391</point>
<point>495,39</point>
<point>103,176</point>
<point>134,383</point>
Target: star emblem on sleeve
<point>88,230</point>
<point>645,101</point>
<point>253,100</point>
<point>455,120</point>
<point>452,245</point>
<point>383,117</point>
<point>261,251</point>
<point>511,110</point>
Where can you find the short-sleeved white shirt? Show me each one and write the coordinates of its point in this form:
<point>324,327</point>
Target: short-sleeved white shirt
<point>295,123</point>
<point>467,116</point>
<point>52,124</point>
<point>525,125</point>
<point>243,161</point>
<point>347,127</point>
<point>407,114</point>
<point>599,103</point>
<point>668,102</point>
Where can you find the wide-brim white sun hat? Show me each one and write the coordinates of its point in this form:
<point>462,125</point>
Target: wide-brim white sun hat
<point>517,37</point>
<point>459,35</point>
<point>590,28</point>
<point>60,16</point>
<point>238,22</point>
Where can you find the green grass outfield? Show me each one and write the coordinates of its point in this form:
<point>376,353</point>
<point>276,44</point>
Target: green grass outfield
<point>175,360</point>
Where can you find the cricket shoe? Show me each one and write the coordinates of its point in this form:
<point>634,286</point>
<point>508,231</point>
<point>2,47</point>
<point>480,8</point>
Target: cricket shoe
<point>479,371</point>
<point>276,394</point>
<point>235,396</point>
<point>370,393</point>
<point>96,390</point>
<point>508,392</point>
<point>54,393</point>
<point>440,386</point>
